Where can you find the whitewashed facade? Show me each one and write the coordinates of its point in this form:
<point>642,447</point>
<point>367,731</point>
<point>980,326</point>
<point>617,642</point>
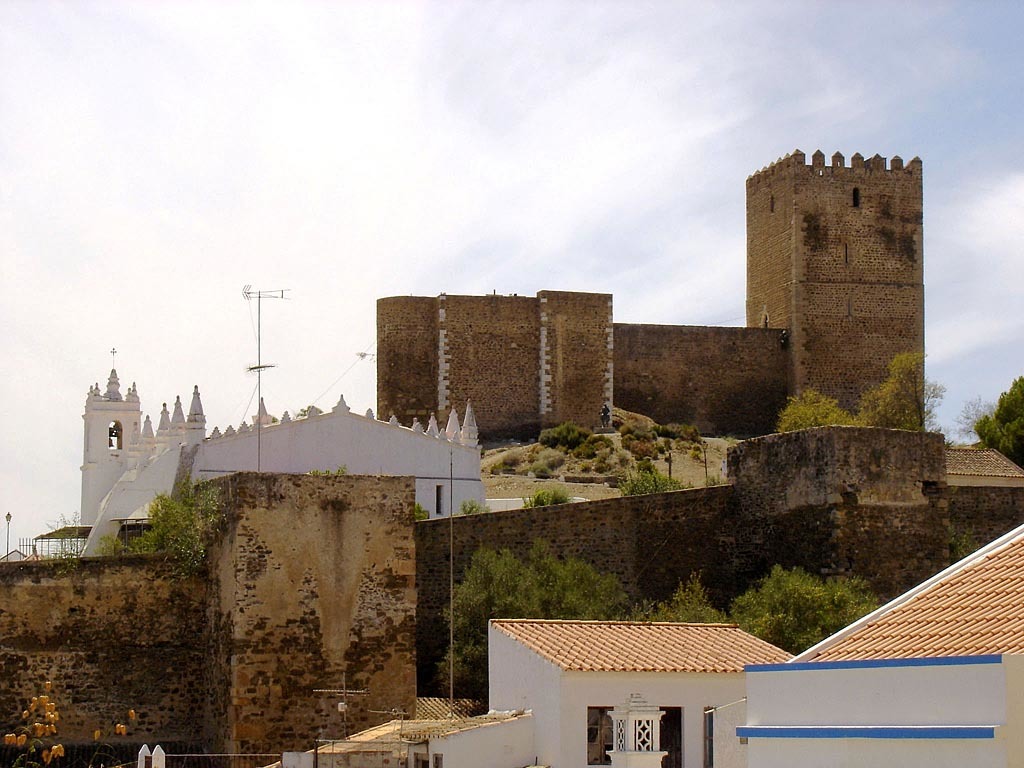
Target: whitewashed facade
<point>126,463</point>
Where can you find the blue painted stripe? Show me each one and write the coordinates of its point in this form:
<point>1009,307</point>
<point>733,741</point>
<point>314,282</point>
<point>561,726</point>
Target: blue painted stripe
<point>866,732</point>
<point>930,661</point>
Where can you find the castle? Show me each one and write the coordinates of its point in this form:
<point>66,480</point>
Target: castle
<point>835,290</point>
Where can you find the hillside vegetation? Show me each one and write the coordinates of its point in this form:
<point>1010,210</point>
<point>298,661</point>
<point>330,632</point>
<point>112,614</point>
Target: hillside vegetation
<point>592,465</point>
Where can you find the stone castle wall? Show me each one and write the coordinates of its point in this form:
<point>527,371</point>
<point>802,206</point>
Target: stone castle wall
<point>834,260</point>
<point>982,514</point>
<point>312,586</point>
<point>111,635</point>
<point>835,501</point>
<point>726,381</point>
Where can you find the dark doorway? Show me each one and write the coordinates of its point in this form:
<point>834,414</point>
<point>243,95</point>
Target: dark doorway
<point>672,737</point>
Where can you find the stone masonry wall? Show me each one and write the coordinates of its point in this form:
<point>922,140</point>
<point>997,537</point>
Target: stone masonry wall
<point>314,588</point>
<point>492,356</point>
<point>723,380</point>
<point>576,352</point>
<point>649,542</point>
<point>984,514</point>
<point>847,501</point>
<point>407,358</point>
<point>110,635</point>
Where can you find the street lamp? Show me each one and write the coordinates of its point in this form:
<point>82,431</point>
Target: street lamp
<point>8,555</point>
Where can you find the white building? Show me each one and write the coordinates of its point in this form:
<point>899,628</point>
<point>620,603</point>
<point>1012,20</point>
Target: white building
<point>933,679</point>
<point>575,675</point>
<point>126,463</point>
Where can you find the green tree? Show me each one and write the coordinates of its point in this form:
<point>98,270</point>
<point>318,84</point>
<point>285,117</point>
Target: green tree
<point>1004,429</point>
<point>794,609</point>
<point>812,409</point>
<point>180,526</point>
<point>498,585</point>
<point>688,603</point>
<point>905,400</point>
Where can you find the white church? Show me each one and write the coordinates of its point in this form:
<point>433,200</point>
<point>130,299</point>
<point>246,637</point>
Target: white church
<point>126,463</point>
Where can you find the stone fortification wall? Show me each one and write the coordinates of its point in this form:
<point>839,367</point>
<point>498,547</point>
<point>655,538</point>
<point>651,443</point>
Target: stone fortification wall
<point>576,340</point>
<point>649,542</point>
<point>835,254</point>
<point>983,514</point>
<point>834,501</point>
<point>490,351</point>
<point>407,358</point>
<point>110,635</point>
<point>525,362</point>
<point>723,380</point>
<point>847,501</point>
<point>314,588</point>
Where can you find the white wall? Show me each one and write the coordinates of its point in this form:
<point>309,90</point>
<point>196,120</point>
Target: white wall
<point>502,744</point>
<point>362,445</point>
<point>690,690</point>
<point>886,697</point>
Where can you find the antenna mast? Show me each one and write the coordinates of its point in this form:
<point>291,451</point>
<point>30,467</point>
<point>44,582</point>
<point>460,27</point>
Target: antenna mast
<point>249,295</point>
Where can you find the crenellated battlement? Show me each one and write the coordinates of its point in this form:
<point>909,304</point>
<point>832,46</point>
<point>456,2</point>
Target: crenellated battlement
<point>796,162</point>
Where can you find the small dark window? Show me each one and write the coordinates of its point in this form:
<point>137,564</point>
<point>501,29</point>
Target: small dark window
<point>599,736</point>
<point>846,253</point>
<point>856,197</point>
<point>114,433</point>
<point>849,307</point>
<point>709,738</point>
<point>771,204</point>
<point>439,500</point>
<point>438,761</point>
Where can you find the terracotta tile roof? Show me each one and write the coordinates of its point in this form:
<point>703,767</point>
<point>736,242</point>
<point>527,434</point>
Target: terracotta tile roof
<point>625,646</point>
<point>436,708</point>
<point>975,607</point>
<point>980,461</point>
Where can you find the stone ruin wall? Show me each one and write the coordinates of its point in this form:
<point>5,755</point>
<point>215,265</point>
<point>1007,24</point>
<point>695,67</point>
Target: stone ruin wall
<point>846,279</point>
<point>725,381</point>
<point>313,587</point>
<point>110,635</point>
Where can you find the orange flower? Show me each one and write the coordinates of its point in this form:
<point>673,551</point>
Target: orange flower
<point>46,756</point>
<point>47,685</point>
<point>96,735</point>
<point>22,738</point>
<point>58,750</point>
<point>131,714</point>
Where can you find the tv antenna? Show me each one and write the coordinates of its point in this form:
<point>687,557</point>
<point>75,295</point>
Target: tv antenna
<point>250,294</point>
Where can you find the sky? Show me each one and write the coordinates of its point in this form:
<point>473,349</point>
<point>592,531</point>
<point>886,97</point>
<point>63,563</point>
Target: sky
<point>157,157</point>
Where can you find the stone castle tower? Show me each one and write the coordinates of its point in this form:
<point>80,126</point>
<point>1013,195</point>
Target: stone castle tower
<point>834,257</point>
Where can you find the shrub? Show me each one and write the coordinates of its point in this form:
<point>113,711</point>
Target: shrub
<point>643,449</point>
<point>640,483</point>
<point>812,409</point>
<point>686,432</point>
<point>592,446</point>
<point>567,435</point>
<point>546,497</point>
<point>419,512</point>
<point>472,507</point>
<point>689,602</point>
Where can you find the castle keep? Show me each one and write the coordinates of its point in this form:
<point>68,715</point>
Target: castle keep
<point>834,291</point>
